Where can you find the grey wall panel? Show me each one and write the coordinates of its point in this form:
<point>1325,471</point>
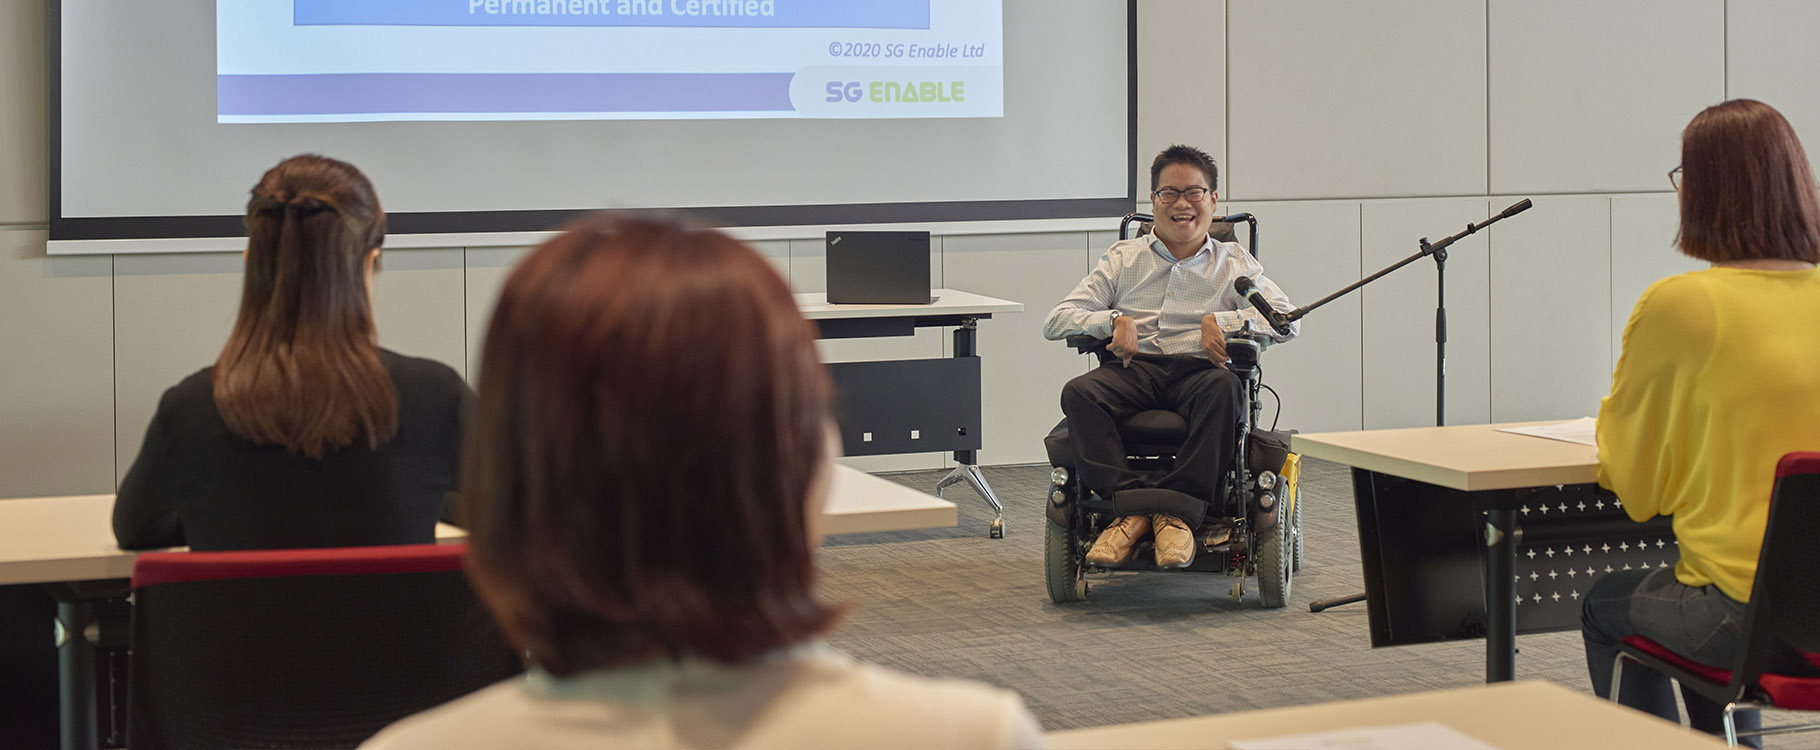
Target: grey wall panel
<point>56,370</point>
<point>1770,55</point>
<point>1593,96</point>
<point>1097,242</point>
<point>1339,99</point>
<point>486,273</point>
<point>1642,251</point>
<point>23,180</point>
<point>172,313</point>
<point>1399,314</point>
<point>1311,248</point>
<point>1551,310</point>
<point>419,304</point>
<point>1021,372</point>
<point>777,252</point>
<point>1181,80</point>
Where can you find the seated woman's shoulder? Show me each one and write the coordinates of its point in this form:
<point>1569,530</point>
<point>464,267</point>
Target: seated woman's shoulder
<point>195,391</point>
<point>899,709</point>
<point>1680,293</point>
<point>408,371</point>
<point>823,700</point>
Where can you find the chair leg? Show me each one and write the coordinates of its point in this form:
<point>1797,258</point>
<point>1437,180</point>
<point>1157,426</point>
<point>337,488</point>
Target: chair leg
<point>1617,676</point>
<point>1731,725</point>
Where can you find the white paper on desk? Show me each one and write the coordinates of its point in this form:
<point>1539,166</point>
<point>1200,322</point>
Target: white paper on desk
<point>1428,735</point>
<point>1576,431</point>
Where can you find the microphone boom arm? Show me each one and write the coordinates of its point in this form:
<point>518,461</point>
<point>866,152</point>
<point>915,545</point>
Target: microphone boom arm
<point>1438,248</point>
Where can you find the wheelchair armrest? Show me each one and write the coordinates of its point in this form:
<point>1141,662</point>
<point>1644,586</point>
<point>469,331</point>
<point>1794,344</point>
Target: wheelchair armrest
<point>1084,344</point>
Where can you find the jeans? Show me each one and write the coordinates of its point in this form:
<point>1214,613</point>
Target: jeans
<point>1700,623</point>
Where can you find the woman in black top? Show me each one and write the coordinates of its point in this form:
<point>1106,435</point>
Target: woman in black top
<point>304,433</point>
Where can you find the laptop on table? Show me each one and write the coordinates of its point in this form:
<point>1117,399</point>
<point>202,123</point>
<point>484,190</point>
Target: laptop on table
<point>878,268</point>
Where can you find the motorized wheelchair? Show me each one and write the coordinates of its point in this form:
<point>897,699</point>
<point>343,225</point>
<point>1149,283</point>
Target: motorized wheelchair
<point>1258,504</point>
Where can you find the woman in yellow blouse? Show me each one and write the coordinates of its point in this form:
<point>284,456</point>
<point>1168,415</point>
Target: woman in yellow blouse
<point>1719,376</point>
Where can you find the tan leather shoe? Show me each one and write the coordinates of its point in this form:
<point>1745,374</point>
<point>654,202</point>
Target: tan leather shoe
<point>1174,541</point>
<point>1115,543</point>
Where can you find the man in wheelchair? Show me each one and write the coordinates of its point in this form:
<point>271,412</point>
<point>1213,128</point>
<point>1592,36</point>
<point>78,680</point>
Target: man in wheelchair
<point>1166,301</point>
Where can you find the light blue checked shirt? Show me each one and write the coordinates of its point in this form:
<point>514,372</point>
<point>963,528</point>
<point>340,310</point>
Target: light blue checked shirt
<point>1166,298</point>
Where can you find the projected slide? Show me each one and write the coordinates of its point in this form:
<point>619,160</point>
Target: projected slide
<point>300,61</point>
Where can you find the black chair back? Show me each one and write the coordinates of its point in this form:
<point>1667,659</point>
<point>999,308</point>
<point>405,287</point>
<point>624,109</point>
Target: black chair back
<point>302,648</point>
<point>1784,612</point>
<point>1221,229</point>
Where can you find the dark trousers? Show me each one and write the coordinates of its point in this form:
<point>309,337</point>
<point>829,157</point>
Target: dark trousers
<point>1702,624</point>
<point>1206,395</point>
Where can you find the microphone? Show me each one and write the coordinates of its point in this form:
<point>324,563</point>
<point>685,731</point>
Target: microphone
<point>1515,208</point>
<point>1249,290</point>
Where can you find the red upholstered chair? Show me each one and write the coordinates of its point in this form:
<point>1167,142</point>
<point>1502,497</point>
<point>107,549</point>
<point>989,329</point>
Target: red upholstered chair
<point>302,648</point>
<point>1784,613</point>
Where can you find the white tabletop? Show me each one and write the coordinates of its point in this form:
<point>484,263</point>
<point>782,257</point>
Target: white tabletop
<point>859,502</point>
<point>1466,457</point>
<point>1507,715</point>
<point>71,538</point>
<point>814,306</point>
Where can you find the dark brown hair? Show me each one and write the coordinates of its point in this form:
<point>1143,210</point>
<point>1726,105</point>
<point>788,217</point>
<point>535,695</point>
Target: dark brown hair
<point>301,368</point>
<point>651,421</point>
<point>1747,190</point>
<point>1189,155</point>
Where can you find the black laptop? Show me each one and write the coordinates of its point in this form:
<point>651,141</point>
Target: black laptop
<point>878,268</point>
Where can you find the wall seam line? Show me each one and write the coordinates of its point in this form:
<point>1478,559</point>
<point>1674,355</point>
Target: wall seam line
<point>113,375</point>
<point>467,335</point>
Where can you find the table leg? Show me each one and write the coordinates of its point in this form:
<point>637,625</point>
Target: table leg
<point>76,668</point>
<point>1500,592</point>
<point>967,471</point>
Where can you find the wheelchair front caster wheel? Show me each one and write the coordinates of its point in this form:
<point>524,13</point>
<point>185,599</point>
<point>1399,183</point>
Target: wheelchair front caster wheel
<point>997,529</point>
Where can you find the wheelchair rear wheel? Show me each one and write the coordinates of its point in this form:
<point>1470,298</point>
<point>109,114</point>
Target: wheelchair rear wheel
<point>1274,563</point>
<point>1063,551</point>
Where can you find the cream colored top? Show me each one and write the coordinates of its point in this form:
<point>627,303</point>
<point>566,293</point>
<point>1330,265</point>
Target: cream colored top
<point>810,697</point>
<point>1720,376</point>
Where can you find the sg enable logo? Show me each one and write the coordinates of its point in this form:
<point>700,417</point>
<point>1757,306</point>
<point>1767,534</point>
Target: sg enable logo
<point>893,92</point>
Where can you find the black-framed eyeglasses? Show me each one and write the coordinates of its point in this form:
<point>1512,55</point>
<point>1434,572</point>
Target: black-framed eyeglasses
<point>1169,195</point>
<point>1674,177</point>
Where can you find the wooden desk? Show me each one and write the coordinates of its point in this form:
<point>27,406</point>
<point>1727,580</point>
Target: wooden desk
<point>913,405</point>
<point>1444,513</point>
<point>1512,716</point>
<point>1469,458</point>
<point>71,538</point>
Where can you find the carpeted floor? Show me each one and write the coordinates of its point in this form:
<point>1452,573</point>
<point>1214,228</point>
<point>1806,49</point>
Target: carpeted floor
<point>1144,646</point>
